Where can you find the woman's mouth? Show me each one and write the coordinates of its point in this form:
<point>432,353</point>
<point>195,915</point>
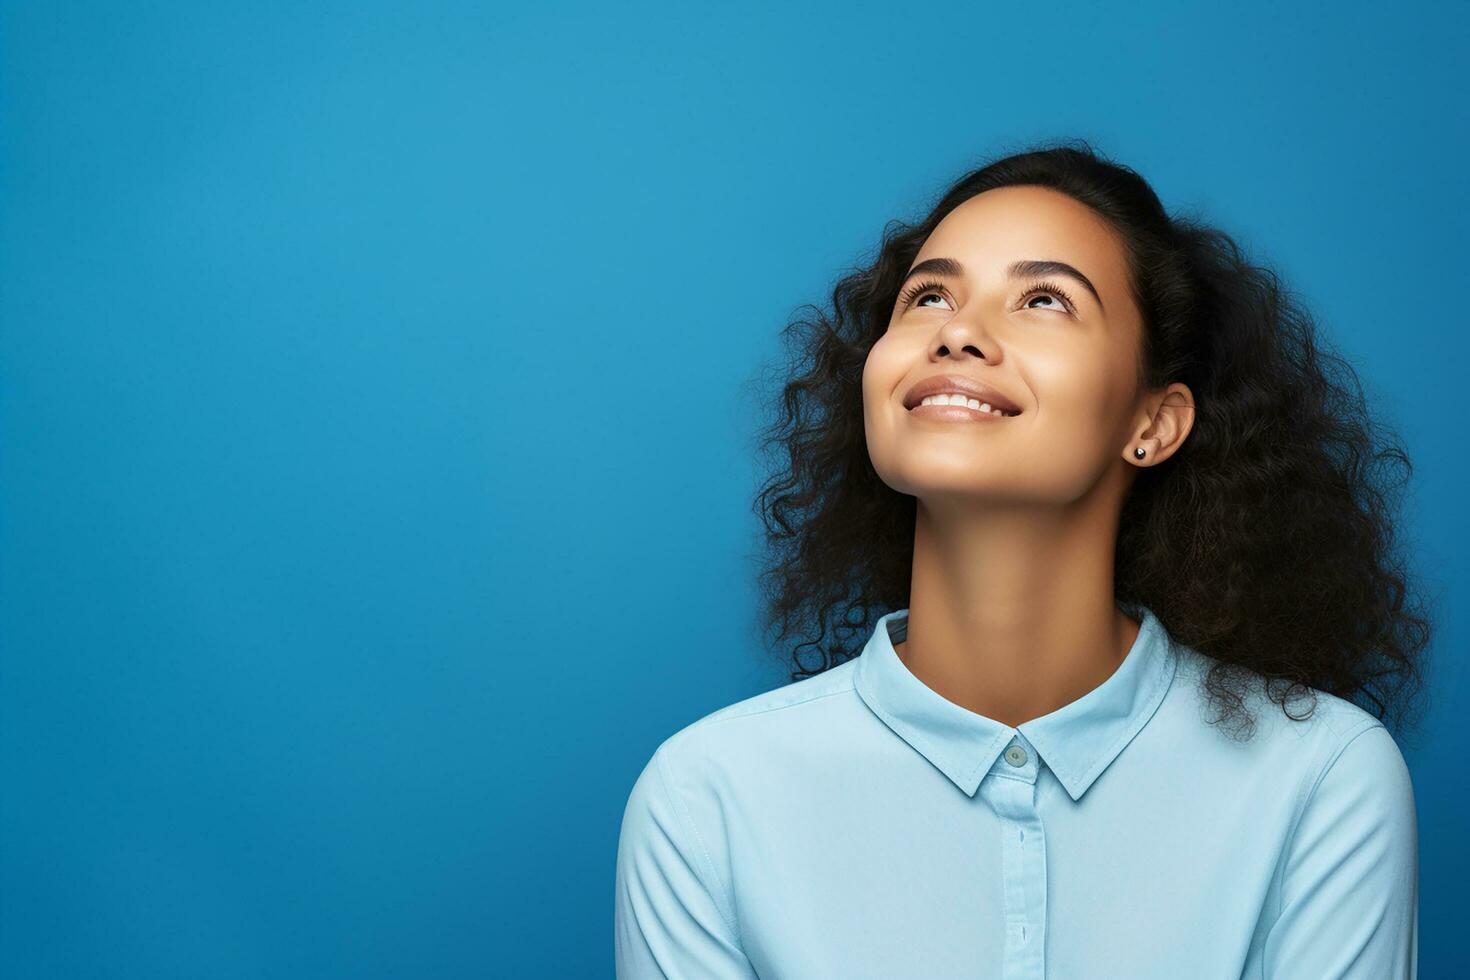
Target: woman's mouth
<point>959,409</point>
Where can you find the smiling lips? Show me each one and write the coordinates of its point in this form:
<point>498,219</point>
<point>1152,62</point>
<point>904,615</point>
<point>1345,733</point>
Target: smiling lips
<point>957,407</point>
<point>959,398</point>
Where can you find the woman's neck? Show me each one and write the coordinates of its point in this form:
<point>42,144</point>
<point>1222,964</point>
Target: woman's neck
<point>1012,615</point>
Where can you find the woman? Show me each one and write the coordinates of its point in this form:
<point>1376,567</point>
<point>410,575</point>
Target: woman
<point>1121,715</point>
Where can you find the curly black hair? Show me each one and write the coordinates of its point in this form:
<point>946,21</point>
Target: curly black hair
<point>1266,542</point>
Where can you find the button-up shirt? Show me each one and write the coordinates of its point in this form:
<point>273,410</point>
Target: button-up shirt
<point>858,824</point>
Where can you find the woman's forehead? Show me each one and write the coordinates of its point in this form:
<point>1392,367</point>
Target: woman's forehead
<point>992,230</point>
<point>995,224</point>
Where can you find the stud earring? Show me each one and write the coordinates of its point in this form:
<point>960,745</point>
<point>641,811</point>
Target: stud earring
<point>1140,452</point>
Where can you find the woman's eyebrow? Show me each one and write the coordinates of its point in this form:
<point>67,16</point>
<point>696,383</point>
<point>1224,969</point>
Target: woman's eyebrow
<point>1023,268</point>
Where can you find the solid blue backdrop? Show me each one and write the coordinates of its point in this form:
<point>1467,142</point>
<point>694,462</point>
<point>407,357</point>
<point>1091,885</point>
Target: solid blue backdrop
<point>375,452</point>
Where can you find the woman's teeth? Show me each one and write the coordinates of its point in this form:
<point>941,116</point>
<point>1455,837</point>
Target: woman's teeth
<point>966,402</point>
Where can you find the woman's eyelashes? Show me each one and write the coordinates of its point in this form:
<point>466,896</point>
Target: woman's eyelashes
<point>1053,291</point>
<point>917,291</point>
<point>916,294</point>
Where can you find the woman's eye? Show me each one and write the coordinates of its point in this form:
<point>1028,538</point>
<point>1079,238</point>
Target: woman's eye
<point>1055,299</point>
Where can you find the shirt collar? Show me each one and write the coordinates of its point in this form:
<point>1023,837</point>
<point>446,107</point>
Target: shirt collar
<point>1077,741</point>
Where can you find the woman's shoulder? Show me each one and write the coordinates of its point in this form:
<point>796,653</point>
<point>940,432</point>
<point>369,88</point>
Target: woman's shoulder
<point>756,750</point>
<point>1307,731</point>
<point>784,715</point>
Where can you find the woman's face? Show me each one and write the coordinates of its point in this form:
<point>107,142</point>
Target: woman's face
<point>1067,362</point>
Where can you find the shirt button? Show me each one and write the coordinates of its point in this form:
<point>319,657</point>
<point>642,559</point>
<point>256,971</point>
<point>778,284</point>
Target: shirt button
<point>1016,756</point>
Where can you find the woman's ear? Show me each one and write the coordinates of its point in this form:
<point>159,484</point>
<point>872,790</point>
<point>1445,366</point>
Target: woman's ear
<point>1166,423</point>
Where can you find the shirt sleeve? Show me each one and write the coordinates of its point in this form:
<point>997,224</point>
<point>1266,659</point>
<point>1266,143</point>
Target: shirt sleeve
<point>1350,884</point>
<point>667,921</point>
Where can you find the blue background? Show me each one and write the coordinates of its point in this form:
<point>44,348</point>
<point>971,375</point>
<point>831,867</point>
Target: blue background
<point>376,451</point>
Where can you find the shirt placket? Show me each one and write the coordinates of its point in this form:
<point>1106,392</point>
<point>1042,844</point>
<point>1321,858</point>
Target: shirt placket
<point>1010,788</point>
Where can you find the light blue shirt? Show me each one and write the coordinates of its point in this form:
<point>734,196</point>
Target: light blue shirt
<point>857,824</point>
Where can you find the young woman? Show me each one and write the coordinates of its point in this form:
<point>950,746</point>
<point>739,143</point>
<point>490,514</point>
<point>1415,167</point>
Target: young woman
<point>1122,713</point>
